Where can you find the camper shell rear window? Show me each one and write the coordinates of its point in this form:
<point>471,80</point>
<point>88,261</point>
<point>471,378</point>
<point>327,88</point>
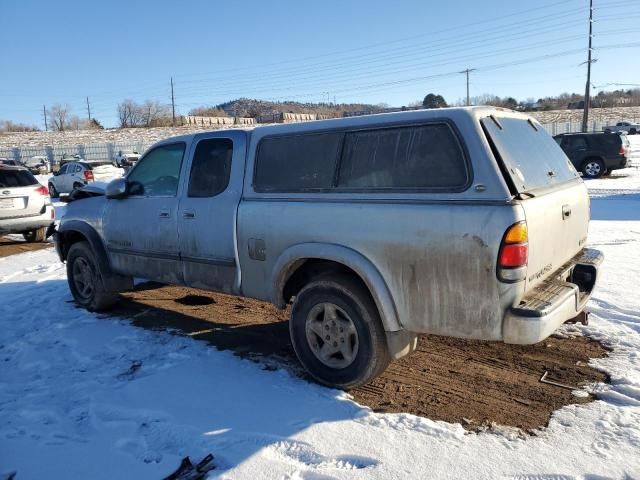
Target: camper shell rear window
<point>530,157</point>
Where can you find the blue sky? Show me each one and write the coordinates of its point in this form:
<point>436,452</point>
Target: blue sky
<point>357,51</point>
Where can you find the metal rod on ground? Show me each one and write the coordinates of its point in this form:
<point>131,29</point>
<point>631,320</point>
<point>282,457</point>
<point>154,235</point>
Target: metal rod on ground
<point>587,96</point>
<point>173,106</point>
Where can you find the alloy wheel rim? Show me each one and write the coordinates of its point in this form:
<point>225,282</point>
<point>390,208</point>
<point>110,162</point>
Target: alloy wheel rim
<point>593,168</point>
<point>83,278</point>
<point>331,335</point>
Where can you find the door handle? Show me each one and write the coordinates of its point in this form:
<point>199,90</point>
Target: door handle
<point>164,213</point>
<point>188,214</point>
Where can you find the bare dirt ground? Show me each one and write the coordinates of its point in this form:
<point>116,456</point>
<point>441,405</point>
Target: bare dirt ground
<point>15,244</point>
<point>471,382</point>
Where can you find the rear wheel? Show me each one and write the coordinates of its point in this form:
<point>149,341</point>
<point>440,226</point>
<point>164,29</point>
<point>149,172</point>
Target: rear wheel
<point>77,185</point>
<point>606,173</point>
<point>85,279</point>
<point>53,193</point>
<point>593,168</point>
<point>337,333</point>
<point>633,131</point>
<point>37,235</point>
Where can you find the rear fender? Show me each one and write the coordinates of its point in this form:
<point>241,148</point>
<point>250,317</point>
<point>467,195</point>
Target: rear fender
<point>290,258</point>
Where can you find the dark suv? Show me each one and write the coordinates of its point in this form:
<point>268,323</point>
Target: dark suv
<point>595,154</point>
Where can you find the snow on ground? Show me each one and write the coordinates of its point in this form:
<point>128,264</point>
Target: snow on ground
<point>88,396</point>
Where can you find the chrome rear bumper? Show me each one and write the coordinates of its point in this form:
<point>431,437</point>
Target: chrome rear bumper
<point>554,302</point>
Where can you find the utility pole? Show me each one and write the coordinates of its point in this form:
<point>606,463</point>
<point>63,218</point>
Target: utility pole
<point>88,109</point>
<point>44,113</point>
<point>173,106</point>
<point>467,72</point>
<point>587,96</point>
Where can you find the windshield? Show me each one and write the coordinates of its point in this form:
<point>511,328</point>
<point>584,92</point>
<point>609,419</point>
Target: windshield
<point>532,158</point>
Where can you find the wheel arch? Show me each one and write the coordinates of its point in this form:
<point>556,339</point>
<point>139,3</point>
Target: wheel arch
<point>77,231</point>
<point>294,259</point>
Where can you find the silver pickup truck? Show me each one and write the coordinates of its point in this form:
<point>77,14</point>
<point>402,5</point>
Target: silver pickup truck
<point>468,222</point>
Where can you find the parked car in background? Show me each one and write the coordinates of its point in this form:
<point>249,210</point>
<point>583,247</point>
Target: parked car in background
<point>74,175</point>
<point>466,222</point>
<point>25,206</point>
<point>628,127</point>
<point>126,158</point>
<point>6,161</point>
<point>38,165</point>
<point>595,154</point>
<point>64,159</point>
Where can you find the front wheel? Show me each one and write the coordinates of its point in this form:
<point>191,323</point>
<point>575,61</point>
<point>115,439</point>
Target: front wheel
<point>593,168</point>
<point>337,333</point>
<point>85,279</point>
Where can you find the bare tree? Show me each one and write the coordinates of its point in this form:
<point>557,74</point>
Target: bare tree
<point>128,113</point>
<point>149,114</point>
<point>9,126</point>
<point>58,116</point>
<point>153,112</point>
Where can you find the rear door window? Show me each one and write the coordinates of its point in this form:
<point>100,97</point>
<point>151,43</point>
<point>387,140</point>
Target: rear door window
<point>577,142</point>
<point>16,178</point>
<point>414,158</point>
<point>211,167</point>
<point>297,162</point>
<point>532,159</point>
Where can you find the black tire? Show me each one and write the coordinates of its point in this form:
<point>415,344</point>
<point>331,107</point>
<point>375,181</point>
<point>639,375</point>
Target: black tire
<point>53,193</point>
<point>37,235</point>
<point>83,269</point>
<point>593,168</point>
<point>607,130</point>
<point>77,185</point>
<point>606,173</point>
<point>353,300</point>
<point>633,131</point>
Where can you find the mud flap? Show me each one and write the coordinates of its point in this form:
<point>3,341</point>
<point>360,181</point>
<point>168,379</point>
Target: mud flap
<point>401,343</point>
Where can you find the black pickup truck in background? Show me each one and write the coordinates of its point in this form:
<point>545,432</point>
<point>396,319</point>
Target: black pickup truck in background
<point>595,154</point>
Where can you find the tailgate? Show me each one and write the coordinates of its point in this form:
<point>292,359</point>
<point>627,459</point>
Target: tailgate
<point>547,186</point>
<point>557,224</point>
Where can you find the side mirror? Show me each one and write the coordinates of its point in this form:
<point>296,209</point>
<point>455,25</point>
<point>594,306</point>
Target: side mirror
<point>117,188</point>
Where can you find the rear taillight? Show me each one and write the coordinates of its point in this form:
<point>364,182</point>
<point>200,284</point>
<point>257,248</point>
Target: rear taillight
<point>514,253</point>
<point>88,175</point>
<point>42,190</point>
<point>622,150</point>
<point>53,213</point>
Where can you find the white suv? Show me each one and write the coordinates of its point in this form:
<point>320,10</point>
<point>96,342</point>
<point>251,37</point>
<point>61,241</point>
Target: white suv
<point>74,175</point>
<point>25,206</point>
